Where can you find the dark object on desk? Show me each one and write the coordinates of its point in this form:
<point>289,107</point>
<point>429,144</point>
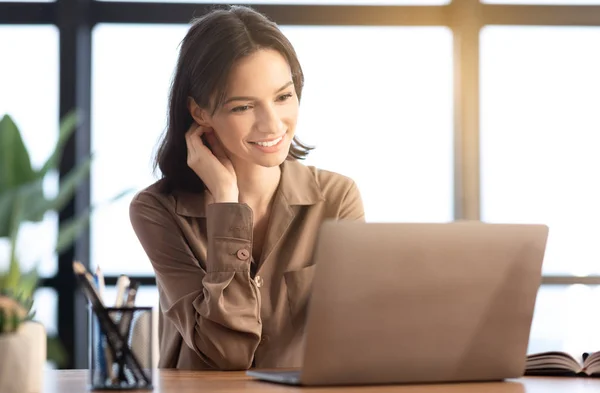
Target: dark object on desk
<point>118,346</point>
<point>419,303</point>
<point>125,319</point>
<point>139,340</point>
<point>561,364</point>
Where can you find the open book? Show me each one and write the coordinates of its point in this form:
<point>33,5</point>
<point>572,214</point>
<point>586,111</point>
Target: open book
<point>562,364</point>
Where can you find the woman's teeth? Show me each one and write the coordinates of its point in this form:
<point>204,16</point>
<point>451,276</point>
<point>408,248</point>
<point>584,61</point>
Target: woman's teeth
<point>271,143</point>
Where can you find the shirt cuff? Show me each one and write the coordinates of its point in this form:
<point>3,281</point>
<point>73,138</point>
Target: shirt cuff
<point>229,227</point>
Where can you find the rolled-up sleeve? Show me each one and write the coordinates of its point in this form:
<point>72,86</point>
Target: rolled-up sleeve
<point>216,309</point>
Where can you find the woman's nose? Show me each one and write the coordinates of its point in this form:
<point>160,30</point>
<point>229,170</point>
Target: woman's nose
<point>269,121</point>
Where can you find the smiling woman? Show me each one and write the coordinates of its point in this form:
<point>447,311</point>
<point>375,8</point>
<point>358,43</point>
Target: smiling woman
<point>257,120</point>
<point>230,226</point>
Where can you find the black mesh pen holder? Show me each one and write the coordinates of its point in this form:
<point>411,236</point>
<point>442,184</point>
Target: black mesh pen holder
<point>120,351</point>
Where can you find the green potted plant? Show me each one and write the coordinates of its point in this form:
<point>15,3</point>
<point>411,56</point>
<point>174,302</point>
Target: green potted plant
<point>23,199</point>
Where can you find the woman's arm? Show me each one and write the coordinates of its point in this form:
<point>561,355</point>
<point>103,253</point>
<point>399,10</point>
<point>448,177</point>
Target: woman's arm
<point>217,310</point>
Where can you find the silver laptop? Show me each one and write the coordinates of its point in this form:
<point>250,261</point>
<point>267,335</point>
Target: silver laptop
<point>419,303</point>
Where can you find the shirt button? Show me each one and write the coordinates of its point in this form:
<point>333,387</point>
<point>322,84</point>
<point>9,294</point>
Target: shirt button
<point>259,281</point>
<point>264,338</point>
<point>243,254</point>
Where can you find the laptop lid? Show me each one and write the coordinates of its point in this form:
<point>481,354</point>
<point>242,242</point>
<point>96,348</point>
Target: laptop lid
<point>396,303</point>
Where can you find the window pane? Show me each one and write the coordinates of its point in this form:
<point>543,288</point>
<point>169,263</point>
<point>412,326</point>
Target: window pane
<point>46,307</point>
<point>540,95</point>
<point>402,97</point>
<point>565,319</point>
<point>146,296</point>
<point>374,117</point>
<point>29,94</point>
<point>132,67</point>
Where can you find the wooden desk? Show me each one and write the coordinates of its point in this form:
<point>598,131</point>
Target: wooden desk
<point>173,381</point>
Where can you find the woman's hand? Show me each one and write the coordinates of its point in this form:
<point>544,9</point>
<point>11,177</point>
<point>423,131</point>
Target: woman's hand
<point>213,167</point>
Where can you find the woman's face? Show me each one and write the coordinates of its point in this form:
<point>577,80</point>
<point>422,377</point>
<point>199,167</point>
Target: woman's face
<point>258,119</point>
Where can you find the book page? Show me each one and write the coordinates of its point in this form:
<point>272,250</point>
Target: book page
<point>592,364</point>
<point>555,360</point>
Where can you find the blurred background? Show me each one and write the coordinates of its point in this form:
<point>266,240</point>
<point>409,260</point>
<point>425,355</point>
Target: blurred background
<point>439,111</point>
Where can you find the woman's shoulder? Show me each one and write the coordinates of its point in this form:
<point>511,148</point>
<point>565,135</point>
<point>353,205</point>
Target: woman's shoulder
<point>155,192</point>
<point>330,184</point>
<point>160,198</point>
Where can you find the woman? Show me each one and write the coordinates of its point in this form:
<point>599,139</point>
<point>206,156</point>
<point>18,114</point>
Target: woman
<point>230,227</point>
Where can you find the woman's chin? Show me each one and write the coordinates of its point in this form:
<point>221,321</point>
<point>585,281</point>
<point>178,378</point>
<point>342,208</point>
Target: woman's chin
<point>271,160</point>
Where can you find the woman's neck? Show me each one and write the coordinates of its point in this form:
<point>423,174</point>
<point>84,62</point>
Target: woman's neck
<point>257,185</point>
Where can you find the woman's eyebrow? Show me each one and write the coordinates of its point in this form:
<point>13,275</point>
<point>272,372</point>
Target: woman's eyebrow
<point>248,98</point>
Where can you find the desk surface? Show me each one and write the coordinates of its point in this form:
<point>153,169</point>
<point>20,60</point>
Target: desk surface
<point>167,381</point>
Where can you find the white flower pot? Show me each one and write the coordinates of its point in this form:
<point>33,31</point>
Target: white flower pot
<point>23,359</point>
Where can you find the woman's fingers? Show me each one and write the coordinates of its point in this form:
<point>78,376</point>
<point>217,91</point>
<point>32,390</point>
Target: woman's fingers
<point>208,159</point>
<point>189,136</point>
<point>195,145</point>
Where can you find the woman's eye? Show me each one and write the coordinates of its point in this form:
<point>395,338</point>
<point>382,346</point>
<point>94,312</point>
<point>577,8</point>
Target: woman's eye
<point>284,97</point>
<point>242,108</point>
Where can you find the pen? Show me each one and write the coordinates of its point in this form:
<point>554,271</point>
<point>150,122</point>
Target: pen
<point>101,347</point>
<point>126,318</point>
<point>122,284</point>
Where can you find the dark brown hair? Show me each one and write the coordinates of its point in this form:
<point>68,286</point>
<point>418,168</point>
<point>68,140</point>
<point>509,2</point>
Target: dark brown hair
<point>209,50</point>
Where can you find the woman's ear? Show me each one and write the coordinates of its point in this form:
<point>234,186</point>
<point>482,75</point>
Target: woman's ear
<point>200,115</point>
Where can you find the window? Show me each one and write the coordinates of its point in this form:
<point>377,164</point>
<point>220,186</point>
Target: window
<point>146,296</point>
<point>382,122</point>
<point>45,307</point>
<point>131,72</point>
<point>565,319</point>
<point>540,94</point>
<point>29,86</point>
<point>378,108</point>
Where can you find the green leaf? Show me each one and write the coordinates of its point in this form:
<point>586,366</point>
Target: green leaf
<point>71,230</point>
<point>16,322</point>
<point>66,190</point>
<point>15,163</point>
<point>32,194</point>
<point>56,351</point>
<point>12,278</point>
<point>7,200</point>
<point>67,127</point>
<point>27,285</point>
<point>28,194</point>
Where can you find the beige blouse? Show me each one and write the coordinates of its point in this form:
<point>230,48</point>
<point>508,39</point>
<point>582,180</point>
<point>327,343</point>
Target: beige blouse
<point>219,309</point>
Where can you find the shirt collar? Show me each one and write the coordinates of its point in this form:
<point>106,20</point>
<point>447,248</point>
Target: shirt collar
<point>297,186</point>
